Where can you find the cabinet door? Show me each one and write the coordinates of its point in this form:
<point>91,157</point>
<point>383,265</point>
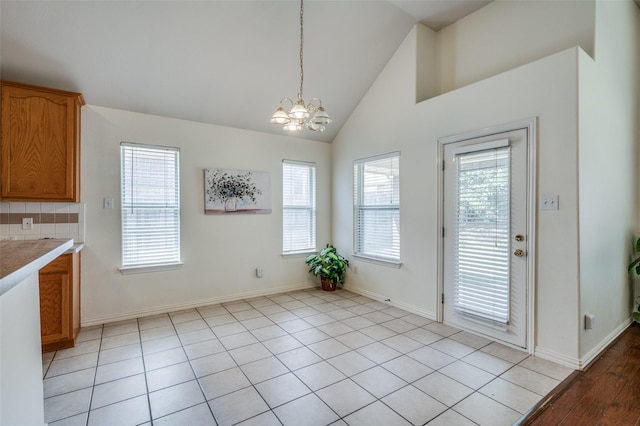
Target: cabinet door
<point>54,307</point>
<point>40,144</point>
<point>56,297</point>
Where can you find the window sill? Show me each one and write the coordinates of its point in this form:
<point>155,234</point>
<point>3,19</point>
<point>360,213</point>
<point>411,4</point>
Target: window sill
<point>298,254</point>
<point>141,269</point>
<point>378,261</point>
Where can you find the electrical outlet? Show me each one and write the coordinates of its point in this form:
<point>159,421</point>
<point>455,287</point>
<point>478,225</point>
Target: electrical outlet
<point>259,272</point>
<point>27,223</point>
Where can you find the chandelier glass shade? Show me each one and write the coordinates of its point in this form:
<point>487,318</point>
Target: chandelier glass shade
<point>300,114</point>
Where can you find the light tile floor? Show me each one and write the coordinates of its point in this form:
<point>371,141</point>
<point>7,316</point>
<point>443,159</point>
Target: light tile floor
<point>301,358</point>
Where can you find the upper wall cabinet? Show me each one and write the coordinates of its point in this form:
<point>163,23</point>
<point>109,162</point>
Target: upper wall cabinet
<point>40,145</point>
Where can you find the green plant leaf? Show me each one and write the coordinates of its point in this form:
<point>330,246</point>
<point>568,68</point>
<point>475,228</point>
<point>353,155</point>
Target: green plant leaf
<point>634,266</point>
<point>636,317</point>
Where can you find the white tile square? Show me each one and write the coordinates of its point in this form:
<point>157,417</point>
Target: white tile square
<point>375,414</point>
<point>282,389</point>
<point>328,348</point>
<point>485,411</point>
<point>118,390</point>
<point>453,348</point>
<point>169,376</point>
<point>212,364</point>
<point>378,352</point>
<point>67,405</point>
<point>467,374</point>
<point>131,411</point>
<point>119,370</point>
<point>200,349</point>
<point>443,388</point>
<point>308,410</point>
<point>219,384</point>
<point>414,405</point>
<point>299,358</point>
<point>431,357</point>
<point>486,362</point>
<point>249,353</point>
<point>281,344</point>
<point>65,383</point>
<point>529,379</point>
<point>162,344</point>
<point>319,375</point>
<point>351,363</point>
<point>175,398</point>
<point>237,406</point>
<point>378,381</point>
<point>345,397</point>
<point>407,368</point>
<point>511,395</point>
<point>164,358</point>
<point>264,369</point>
<point>198,415</point>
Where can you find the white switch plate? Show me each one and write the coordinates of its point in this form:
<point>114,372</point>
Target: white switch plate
<point>549,202</point>
<point>107,203</point>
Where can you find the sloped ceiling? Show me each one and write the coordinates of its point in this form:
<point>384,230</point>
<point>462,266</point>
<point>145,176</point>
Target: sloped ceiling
<point>219,62</point>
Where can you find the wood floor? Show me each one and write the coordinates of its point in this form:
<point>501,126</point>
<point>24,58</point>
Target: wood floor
<point>607,392</point>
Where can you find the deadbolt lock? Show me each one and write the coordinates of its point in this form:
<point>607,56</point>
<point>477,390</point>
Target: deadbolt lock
<point>519,237</point>
<point>518,253</point>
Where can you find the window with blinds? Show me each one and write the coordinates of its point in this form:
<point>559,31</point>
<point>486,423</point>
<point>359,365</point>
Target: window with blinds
<point>482,235</point>
<point>376,207</point>
<point>150,179</point>
<point>298,207</point>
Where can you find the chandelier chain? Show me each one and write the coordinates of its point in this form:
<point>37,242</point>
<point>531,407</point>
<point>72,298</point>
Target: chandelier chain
<point>301,46</point>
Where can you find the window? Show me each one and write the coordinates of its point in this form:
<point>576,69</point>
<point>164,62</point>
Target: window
<point>298,207</point>
<point>376,210</point>
<point>150,179</point>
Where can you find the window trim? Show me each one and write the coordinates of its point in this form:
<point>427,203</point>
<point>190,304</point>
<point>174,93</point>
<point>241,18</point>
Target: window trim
<point>314,209</point>
<point>357,203</point>
<point>159,266</point>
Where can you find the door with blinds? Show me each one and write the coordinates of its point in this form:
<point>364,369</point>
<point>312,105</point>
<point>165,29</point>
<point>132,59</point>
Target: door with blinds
<point>485,219</point>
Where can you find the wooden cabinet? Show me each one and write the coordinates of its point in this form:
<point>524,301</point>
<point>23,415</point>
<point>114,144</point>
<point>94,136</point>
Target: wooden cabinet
<point>40,144</point>
<point>60,302</point>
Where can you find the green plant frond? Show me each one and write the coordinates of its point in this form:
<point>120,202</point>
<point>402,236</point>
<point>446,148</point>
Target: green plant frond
<point>634,266</point>
<point>637,246</point>
<point>636,316</point>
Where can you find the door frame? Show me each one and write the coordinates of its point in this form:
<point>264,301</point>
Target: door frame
<point>530,125</point>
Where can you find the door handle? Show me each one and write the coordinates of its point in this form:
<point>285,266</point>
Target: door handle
<point>518,252</point>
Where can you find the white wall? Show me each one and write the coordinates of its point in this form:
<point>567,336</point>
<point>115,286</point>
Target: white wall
<point>387,120</point>
<point>507,34</point>
<point>220,252</point>
<point>609,110</point>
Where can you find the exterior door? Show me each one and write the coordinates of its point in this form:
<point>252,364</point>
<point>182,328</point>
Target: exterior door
<point>485,244</point>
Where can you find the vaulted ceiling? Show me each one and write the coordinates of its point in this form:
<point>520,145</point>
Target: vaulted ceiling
<point>219,62</point>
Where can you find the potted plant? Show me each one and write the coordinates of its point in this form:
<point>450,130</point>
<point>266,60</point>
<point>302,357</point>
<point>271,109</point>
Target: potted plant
<point>634,268</point>
<point>330,266</point>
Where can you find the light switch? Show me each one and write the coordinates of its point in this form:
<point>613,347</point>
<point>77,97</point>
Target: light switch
<point>549,202</point>
<point>107,203</point>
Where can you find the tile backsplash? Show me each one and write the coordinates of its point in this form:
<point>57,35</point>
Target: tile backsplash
<point>50,220</point>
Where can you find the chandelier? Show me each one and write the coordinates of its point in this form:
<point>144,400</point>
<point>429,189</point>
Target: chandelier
<point>311,115</point>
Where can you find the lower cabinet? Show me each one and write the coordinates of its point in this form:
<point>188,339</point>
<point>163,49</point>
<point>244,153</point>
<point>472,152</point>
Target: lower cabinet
<point>60,302</point>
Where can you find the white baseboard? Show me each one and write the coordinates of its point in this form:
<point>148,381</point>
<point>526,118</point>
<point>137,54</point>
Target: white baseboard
<point>581,363</point>
<point>401,305</point>
<point>99,320</point>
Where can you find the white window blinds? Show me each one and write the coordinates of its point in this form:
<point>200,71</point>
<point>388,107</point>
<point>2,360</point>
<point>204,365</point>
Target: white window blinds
<point>377,207</point>
<point>298,207</point>
<point>482,235</point>
<point>150,179</point>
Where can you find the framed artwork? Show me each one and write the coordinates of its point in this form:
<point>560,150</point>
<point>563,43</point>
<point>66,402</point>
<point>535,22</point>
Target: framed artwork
<point>236,191</point>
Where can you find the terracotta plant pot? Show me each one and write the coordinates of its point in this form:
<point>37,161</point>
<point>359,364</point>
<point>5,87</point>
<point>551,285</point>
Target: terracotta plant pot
<point>327,285</point>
